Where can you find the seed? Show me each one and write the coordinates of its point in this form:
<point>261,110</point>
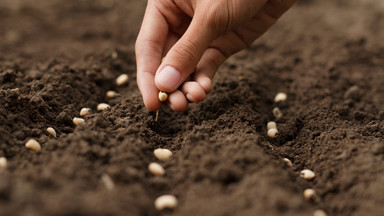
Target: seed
<point>102,106</point>
<point>122,80</point>
<point>271,125</point>
<point>106,179</point>
<point>33,145</point>
<point>85,111</point>
<point>319,212</point>
<point>280,97</point>
<point>288,162</point>
<point>165,201</point>
<point>156,169</point>
<point>162,154</point>
<point>112,94</point>
<point>78,121</point>
<point>272,133</point>
<point>163,96</point>
<point>311,195</point>
<point>3,162</point>
<point>277,113</point>
<point>51,131</point>
<point>307,174</point>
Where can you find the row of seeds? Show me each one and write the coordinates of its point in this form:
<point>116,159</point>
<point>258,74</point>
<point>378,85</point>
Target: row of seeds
<point>309,193</point>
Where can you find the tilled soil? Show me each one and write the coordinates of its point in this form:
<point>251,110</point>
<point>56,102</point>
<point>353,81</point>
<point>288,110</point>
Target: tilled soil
<point>57,57</point>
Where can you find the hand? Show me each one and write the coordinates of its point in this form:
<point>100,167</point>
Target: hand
<point>196,37</point>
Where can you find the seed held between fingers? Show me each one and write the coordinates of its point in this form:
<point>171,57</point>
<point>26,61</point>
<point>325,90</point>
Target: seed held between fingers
<point>85,111</point>
<point>307,174</point>
<point>271,125</point>
<point>3,162</point>
<point>277,113</point>
<point>51,131</point>
<point>272,133</point>
<point>162,154</point>
<point>122,80</point>
<point>156,169</point>
<point>280,97</point>
<point>78,121</point>
<point>102,107</point>
<point>163,96</point>
<point>33,145</point>
<point>166,201</point>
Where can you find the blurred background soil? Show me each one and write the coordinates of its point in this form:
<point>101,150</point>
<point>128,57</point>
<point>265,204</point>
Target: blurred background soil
<point>65,55</point>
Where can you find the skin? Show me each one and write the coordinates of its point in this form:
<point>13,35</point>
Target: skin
<point>195,37</point>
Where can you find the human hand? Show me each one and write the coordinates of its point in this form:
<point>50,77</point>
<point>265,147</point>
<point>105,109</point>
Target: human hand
<point>196,37</point>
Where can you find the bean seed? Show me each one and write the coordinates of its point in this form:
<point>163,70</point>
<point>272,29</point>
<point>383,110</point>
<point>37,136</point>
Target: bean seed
<point>311,195</point>
<point>102,106</point>
<point>163,96</point>
<point>166,201</point>
<point>277,113</point>
<point>288,162</point>
<point>3,162</point>
<point>272,133</point>
<point>271,125</point>
<point>280,97</point>
<point>106,179</point>
<point>307,174</point>
<point>162,154</point>
<point>112,94</point>
<point>78,121</point>
<point>51,131</point>
<point>85,111</point>
<point>122,80</point>
<point>156,169</point>
<point>33,145</point>
<point>319,212</point>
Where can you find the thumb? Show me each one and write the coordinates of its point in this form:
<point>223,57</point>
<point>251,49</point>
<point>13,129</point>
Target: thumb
<point>183,57</point>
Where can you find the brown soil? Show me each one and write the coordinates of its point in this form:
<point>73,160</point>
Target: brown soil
<point>64,55</point>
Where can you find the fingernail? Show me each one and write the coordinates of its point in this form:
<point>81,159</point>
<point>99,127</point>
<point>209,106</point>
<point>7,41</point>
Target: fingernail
<point>189,97</point>
<point>168,78</point>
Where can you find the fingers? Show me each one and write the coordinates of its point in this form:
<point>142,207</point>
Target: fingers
<point>177,101</point>
<point>149,50</point>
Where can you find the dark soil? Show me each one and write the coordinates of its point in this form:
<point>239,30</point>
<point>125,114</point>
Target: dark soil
<point>328,56</point>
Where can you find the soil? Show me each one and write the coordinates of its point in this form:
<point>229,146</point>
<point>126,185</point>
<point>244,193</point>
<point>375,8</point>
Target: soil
<point>64,55</point>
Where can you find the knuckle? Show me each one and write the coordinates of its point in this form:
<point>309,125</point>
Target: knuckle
<point>186,52</point>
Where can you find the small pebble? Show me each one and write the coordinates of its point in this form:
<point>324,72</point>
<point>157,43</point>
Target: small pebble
<point>78,121</point>
<point>272,133</point>
<point>307,174</point>
<point>166,201</point>
<point>102,106</point>
<point>112,94</point>
<point>85,111</point>
<point>106,179</point>
<point>319,212</point>
<point>33,145</point>
<point>277,113</point>
<point>3,162</point>
<point>162,154</point>
<point>163,96</point>
<point>288,162</point>
<point>271,125</point>
<point>122,80</point>
<point>51,131</point>
<point>156,169</point>
<point>280,97</point>
<point>311,195</point>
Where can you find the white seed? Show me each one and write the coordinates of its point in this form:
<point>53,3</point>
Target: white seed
<point>288,162</point>
<point>319,212</point>
<point>156,169</point>
<point>272,133</point>
<point>166,201</point>
<point>78,121</point>
<point>33,145</point>
<point>163,96</point>
<point>122,80</point>
<point>277,113</point>
<point>85,111</point>
<point>307,174</point>
<point>311,195</point>
<point>102,106</point>
<point>271,125</point>
<point>106,179</point>
<point>3,162</point>
<point>280,97</point>
<point>112,94</point>
<point>162,154</point>
<point>51,131</point>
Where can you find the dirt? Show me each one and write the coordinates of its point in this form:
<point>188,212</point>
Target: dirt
<point>57,57</point>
